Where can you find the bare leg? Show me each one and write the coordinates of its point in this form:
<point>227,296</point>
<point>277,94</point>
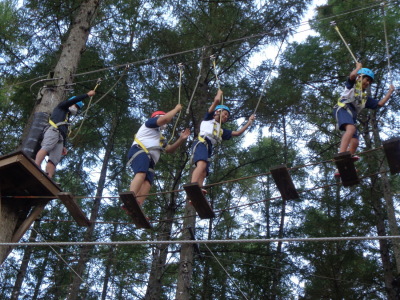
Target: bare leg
<point>199,173</point>
<point>144,190</point>
<point>40,157</point>
<point>353,145</point>
<point>347,137</point>
<point>137,182</point>
<point>50,169</point>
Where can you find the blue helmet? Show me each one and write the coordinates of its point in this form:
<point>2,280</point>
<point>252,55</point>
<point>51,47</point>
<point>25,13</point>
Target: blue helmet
<point>366,72</point>
<point>224,107</point>
<point>79,104</point>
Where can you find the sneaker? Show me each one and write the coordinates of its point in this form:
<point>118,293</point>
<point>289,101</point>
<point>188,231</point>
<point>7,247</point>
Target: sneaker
<point>355,157</point>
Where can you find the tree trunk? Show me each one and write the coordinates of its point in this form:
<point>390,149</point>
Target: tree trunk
<point>24,266</point>
<point>42,273</point>
<point>388,196</point>
<point>66,67</point>
<point>67,64</point>
<point>186,258</point>
<point>84,252</point>
<point>154,287</point>
<point>110,262</point>
<point>375,200</point>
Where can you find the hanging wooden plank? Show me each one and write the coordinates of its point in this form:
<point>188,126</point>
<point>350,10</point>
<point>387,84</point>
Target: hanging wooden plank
<point>74,208</point>
<point>347,170</point>
<point>391,148</point>
<point>284,182</point>
<point>199,202</point>
<point>134,210</point>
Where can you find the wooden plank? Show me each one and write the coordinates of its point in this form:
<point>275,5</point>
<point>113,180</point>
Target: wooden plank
<point>391,148</point>
<point>134,210</point>
<point>284,182</point>
<point>347,170</point>
<point>74,209</point>
<point>198,200</point>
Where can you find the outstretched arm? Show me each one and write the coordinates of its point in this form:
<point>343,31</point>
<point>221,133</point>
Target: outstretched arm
<point>217,100</point>
<point>169,115</point>
<point>387,96</point>
<point>182,138</point>
<point>353,74</point>
<point>241,130</point>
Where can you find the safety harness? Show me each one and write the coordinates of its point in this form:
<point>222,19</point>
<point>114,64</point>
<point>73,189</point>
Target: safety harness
<point>359,97</point>
<point>163,145</point>
<point>216,135</point>
<point>55,125</point>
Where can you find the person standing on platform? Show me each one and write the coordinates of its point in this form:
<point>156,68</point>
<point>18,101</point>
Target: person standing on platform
<point>55,134</point>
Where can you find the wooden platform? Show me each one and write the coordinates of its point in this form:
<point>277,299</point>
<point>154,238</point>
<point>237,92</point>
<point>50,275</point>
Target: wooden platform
<point>134,210</point>
<point>74,208</point>
<point>347,170</point>
<point>25,190</point>
<point>20,176</point>
<point>392,151</point>
<point>284,182</point>
<point>198,200</point>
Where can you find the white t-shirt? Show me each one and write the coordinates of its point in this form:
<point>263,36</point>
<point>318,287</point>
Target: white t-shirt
<point>149,134</point>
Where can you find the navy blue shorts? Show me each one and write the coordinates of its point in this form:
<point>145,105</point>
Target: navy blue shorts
<point>202,153</point>
<point>142,163</point>
<point>343,117</point>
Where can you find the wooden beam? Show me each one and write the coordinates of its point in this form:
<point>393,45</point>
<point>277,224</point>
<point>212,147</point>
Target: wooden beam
<point>391,148</point>
<point>25,191</point>
<point>134,210</point>
<point>347,170</point>
<point>36,211</point>
<point>284,182</point>
<point>74,208</point>
<point>199,202</point>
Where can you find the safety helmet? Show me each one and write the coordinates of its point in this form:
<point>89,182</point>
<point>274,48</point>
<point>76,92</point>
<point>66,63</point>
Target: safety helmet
<point>158,113</point>
<point>366,72</point>
<point>79,104</point>
<point>224,107</point>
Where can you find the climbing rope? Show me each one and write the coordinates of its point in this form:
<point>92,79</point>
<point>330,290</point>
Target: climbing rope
<point>85,112</point>
<point>179,100</point>
<point>386,42</point>
<point>197,83</point>
<point>269,75</point>
<point>333,23</point>
<point>229,241</point>
<point>101,98</point>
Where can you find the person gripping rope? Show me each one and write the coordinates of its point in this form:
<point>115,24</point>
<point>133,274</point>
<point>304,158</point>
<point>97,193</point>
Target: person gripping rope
<point>353,99</point>
<point>210,134</point>
<point>146,150</point>
<point>55,134</point>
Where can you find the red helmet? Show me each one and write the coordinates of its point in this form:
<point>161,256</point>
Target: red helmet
<point>158,113</point>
